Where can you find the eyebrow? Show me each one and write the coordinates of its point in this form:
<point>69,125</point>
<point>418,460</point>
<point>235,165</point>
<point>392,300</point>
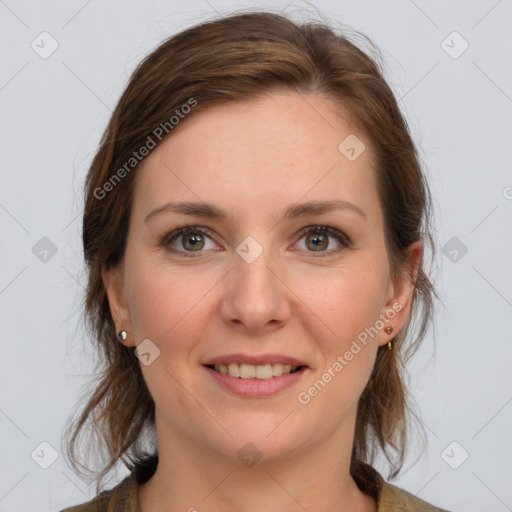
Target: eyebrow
<point>211,211</point>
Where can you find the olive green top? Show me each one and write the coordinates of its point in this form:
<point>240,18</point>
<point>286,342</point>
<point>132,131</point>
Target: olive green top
<point>124,496</point>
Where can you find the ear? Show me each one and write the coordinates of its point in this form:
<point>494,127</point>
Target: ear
<point>114,286</point>
<point>398,305</point>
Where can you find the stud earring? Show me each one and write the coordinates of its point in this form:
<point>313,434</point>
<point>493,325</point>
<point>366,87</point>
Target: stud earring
<point>389,330</point>
<point>122,335</point>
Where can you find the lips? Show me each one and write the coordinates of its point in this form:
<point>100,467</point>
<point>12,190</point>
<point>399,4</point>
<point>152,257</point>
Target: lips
<point>263,367</point>
<point>255,376</point>
<point>250,371</point>
<point>261,386</point>
<point>253,360</point>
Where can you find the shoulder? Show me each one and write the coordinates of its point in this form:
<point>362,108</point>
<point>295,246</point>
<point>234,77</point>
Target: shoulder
<point>124,496</point>
<point>389,497</point>
<point>121,498</point>
<point>394,499</point>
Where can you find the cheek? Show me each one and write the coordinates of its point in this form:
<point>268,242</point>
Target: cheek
<point>345,310</point>
<point>347,344</point>
<point>346,302</point>
<point>169,309</point>
<point>167,306</point>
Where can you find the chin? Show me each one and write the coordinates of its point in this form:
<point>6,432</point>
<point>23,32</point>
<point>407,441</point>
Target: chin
<point>264,438</point>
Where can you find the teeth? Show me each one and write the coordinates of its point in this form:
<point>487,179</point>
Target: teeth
<point>264,371</point>
<point>234,370</point>
<point>250,371</point>
<point>277,369</point>
<point>247,371</point>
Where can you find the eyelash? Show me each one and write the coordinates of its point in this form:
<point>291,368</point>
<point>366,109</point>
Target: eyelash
<point>343,239</point>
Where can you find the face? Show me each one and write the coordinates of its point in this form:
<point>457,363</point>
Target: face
<point>266,276</point>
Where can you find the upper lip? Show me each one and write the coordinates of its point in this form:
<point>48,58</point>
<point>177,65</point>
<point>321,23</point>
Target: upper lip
<point>254,360</point>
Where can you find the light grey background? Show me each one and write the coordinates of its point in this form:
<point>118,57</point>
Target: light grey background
<point>53,111</point>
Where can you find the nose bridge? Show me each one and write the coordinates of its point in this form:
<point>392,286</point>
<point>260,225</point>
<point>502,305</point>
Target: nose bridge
<point>252,263</point>
<point>255,296</point>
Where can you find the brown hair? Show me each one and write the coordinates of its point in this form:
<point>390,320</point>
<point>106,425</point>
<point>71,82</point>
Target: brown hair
<point>231,59</point>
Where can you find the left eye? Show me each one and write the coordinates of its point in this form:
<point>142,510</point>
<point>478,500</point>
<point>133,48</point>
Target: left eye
<point>194,239</point>
<point>318,239</point>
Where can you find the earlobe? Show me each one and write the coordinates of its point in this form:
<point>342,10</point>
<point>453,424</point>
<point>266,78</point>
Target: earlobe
<point>114,287</point>
<point>398,307</point>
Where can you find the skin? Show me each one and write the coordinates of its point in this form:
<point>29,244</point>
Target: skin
<point>254,159</point>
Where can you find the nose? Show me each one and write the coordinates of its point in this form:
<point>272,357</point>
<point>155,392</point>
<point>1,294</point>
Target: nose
<point>255,299</point>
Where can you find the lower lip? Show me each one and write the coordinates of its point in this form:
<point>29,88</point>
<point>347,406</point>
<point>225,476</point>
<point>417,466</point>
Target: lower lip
<point>256,388</point>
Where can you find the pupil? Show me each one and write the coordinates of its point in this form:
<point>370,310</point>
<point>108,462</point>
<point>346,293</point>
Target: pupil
<point>193,242</point>
<point>319,241</point>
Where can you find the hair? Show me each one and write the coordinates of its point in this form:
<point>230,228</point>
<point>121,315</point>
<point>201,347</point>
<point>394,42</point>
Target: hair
<point>231,59</point>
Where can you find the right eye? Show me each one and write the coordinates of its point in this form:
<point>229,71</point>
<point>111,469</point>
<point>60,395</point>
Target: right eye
<point>190,239</point>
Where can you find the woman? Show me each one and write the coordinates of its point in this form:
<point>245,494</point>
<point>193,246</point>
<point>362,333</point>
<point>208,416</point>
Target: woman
<point>253,230</point>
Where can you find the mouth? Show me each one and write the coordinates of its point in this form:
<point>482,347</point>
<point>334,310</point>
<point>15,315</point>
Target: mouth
<point>255,376</point>
<point>265,371</point>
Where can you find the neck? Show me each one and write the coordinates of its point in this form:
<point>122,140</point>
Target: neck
<point>317,478</point>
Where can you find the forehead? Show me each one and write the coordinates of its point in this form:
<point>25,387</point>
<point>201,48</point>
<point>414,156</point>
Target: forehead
<point>275,149</point>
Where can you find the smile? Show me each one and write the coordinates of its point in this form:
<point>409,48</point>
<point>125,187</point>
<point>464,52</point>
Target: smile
<point>255,381</point>
<point>249,371</point>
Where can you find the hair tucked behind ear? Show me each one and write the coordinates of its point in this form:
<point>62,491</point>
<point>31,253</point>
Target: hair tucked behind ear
<point>227,60</point>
